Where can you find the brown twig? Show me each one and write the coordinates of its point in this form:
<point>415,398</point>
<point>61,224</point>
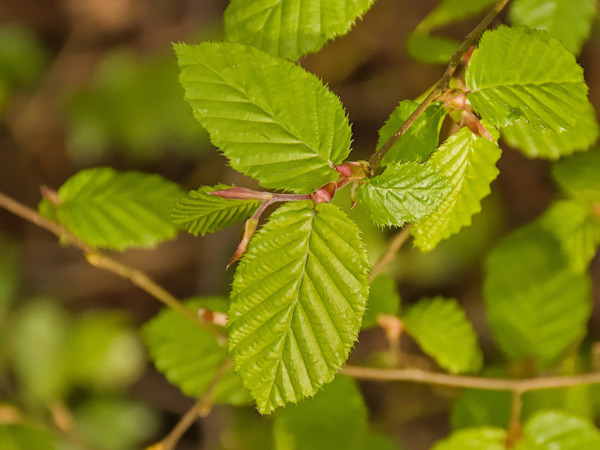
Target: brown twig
<point>442,85</point>
<point>97,259</point>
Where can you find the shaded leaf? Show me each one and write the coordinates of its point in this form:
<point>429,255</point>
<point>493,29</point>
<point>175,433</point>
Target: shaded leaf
<point>449,11</point>
<point>578,175</point>
<point>442,330</point>
<point>273,120</point>
<point>25,437</point>
<point>298,298</point>
<point>402,193</point>
<point>291,28</point>
<point>430,49</point>
<point>468,163</point>
<point>200,212</point>
<point>383,299</point>
<point>479,408</point>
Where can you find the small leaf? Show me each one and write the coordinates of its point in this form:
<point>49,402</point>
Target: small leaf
<point>442,330</point>
<point>273,120</point>
<point>430,49</point>
<point>419,141</point>
<point>189,356</point>
<point>118,210</point>
<point>539,80</point>
<point>578,176</point>
<point>537,305</point>
<point>487,438</point>
<point>570,21</point>
<point>468,162</point>
<point>298,298</point>
<point>334,418</point>
<point>402,193</point>
<point>383,299</point>
<point>200,212</point>
<point>558,430</point>
<point>291,28</point>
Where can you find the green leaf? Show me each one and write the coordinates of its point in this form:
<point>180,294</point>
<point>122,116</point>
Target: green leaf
<point>487,438</point>
<point>570,21</point>
<point>468,162</point>
<point>548,144</point>
<point>419,141</point>
<point>521,73</point>
<point>118,210</point>
<point>478,408</point>
<point>557,430</point>
<point>442,330</point>
<point>334,418</point>
<point>430,49</point>
<point>577,229</point>
<point>200,212</point>
<point>449,11</point>
<point>298,298</point>
<point>383,299</point>
<point>291,28</point>
<point>402,193</point>
<point>578,176</point>
<point>189,356</point>
<point>273,120</point>
<point>25,437</point>
<point>537,305</point>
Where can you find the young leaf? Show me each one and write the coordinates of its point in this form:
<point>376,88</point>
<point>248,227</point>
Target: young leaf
<point>549,144</point>
<point>291,28</point>
<point>520,73</point>
<point>487,438</point>
<point>442,330</point>
<point>383,299</point>
<point>419,141</point>
<point>189,356</point>
<point>298,298</point>
<point>537,305</point>
<point>578,176</point>
<point>402,193</point>
<point>334,418</point>
<point>200,212</point>
<point>273,120</point>
<point>118,210</point>
<point>570,21</point>
<point>556,429</point>
<point>468,162</point>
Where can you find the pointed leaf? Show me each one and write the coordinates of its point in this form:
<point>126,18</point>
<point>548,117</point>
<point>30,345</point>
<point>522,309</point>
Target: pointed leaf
<point>520,73</point>
<point>549,430</point>
<point>442,330</point>
<point>298,298</point>
<point>537,305</point>
<point>468,162</point>
<point>200,212</point>
<point>570,21</point>
<point>487,438</point>
<point>118,210</point>
<point>419,141</point>
<point>579,176</point>
<point>273,120</point>
<point>334,418</point>
<point>402,193</point>
<point>383,299</point>
<point>291,28</point>
<point>189,356</point>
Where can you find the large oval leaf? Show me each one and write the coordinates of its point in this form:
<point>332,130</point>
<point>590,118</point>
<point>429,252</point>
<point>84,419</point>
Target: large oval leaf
<point>298,298</point>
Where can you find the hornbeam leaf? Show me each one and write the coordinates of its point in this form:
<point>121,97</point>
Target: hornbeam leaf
<point>468,162</point>
<point>488,438</point>
<point>190,356</point>
<point>442,330</point>
<point>570,21</point>
<point>521,73</point>
<point>118,210</point>
<point>559,430</point>
<point>298,298</point>
<point>200,212</point>
<point>291,28</point>
<point>402,193</point>
<point>273,120</point>
<point>537,305</point>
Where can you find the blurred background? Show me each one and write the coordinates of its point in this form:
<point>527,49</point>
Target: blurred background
<point>94,83</point>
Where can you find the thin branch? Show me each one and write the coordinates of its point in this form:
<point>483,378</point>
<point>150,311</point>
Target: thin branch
<point>442,85</point>
<point>514,425</point>
<point>396,243</point>
<point>490,384</point>
<point>200,409</point>
<point>97,259</point>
